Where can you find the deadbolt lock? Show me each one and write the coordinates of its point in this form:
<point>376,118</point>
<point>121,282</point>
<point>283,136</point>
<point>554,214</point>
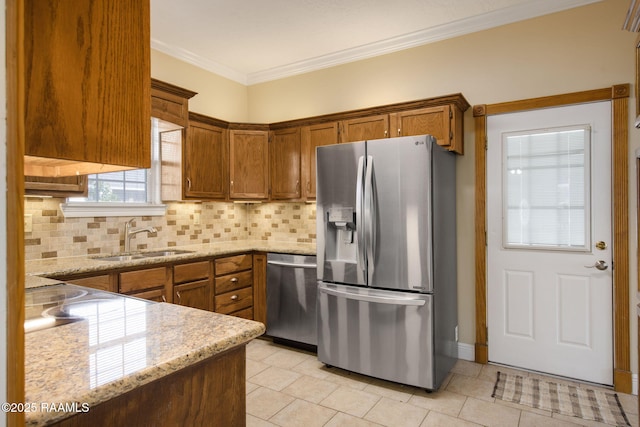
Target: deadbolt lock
<point>601,245</point>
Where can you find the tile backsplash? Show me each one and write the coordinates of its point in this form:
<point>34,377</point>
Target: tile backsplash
<point>187,223</point>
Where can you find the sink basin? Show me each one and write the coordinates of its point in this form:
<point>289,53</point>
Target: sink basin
<point>153,254</point>
<point>119,257</point>
<point>165,253</point>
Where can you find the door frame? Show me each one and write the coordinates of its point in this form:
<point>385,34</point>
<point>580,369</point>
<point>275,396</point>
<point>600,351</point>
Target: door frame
<point>619,97</point>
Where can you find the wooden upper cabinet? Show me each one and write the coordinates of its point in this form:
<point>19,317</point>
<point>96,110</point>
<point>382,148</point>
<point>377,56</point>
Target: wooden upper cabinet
<point>170,103</point>
<point>206,160</point>
<point>284,152</point>
<point>363,128</point>
<point>443,122</point>
<point>248,164</point>
<point>65,186</point>
<point>312,137</point>
<point>87,86</point>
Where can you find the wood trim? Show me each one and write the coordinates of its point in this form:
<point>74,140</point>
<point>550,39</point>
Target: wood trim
<point>455,99</point>
<point>172,89</point>
<point>15,207</point>
<point>621,328</point>
<point>481,346</point>
<point>618,94</point>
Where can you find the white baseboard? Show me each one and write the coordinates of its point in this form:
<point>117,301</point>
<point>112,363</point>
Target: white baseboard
<point>467,352</point>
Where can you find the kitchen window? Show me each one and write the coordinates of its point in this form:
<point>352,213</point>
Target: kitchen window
<point>125,193</point>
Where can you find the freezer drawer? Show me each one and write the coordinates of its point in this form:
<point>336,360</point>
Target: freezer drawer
<point>291,297</point>
<point>384,334</point>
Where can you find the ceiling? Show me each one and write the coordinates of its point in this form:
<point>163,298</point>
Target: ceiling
<point>253,41</point>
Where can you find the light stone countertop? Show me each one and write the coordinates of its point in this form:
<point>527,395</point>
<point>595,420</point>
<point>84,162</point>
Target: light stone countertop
<point>96,359</point>
<point>88,264</point>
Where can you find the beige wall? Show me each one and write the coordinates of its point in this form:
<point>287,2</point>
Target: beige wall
<point>217,96</point>
<point>575,50</point>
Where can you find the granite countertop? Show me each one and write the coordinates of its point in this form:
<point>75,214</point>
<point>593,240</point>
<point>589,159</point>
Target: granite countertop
<point>133,343</point>
<point>87,264</point>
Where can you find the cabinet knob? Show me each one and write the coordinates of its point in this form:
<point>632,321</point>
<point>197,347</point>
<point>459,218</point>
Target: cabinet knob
<point>234,297</point>
<point>234,279</point>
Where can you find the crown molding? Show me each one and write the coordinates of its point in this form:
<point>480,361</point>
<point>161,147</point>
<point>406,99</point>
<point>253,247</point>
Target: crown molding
<point>430,35</point>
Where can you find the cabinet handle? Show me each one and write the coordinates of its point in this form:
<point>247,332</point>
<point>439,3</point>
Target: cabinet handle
<point>234,279</point>
<point>178,295</point>
<point>189,183</point>
<point>399,132</point>
<point>298,186</point>
<point>234,297</point>
<point>231,185</point>
<point>386,133</point>
<point>163,298</point>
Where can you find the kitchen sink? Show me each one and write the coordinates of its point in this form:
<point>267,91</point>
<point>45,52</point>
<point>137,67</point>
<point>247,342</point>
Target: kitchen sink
<point>119,257</point>
<point>165,253</point>
<point>143,255</point>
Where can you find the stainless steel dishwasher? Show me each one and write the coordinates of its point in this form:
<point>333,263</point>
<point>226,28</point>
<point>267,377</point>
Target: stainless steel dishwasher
<point>291,297</point>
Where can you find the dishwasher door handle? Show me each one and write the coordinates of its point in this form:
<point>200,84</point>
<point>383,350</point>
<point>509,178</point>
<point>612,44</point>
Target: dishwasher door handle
<point>291,264</point>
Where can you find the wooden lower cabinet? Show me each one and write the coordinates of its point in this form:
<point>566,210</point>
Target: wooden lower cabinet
<point>103,282</point>
<point>192,285</point>
<point>210,393</point>
<point>233,285</point>
<point>260,287</point>
<point>148,283</point>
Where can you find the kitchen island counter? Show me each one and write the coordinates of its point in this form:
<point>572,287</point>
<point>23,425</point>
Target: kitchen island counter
<point>112,353</point>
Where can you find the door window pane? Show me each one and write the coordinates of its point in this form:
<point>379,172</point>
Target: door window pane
<point>546,189</point>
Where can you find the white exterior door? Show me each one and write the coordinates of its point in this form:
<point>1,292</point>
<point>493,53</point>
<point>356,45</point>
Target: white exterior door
<point>549,241</point>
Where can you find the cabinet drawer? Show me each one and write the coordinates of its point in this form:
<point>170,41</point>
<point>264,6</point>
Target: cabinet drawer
<point>190,272</point>
<point>233,263</point>
<point>234,301</point>
<point>232,282</point>
<point>102,282</point>
<point>247,313</point>
<point>143,279</point>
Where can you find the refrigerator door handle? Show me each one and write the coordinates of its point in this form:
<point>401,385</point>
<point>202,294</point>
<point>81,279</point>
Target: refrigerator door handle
<point>359,211</point>
<point>372,298</point>
<point>370,219</point>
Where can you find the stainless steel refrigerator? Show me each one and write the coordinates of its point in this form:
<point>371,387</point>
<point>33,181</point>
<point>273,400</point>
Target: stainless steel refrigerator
<point>386,256</point>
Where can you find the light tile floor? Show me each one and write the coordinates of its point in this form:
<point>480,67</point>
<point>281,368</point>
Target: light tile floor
<point>290,387</point>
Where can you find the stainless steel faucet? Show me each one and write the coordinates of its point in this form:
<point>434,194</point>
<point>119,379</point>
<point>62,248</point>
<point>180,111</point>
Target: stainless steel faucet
<point>129,233</point>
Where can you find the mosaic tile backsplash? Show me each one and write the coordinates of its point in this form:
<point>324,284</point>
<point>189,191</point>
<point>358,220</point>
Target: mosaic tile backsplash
<point>188,223</point>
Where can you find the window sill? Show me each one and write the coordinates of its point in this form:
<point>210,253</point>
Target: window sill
<point>81,210</point>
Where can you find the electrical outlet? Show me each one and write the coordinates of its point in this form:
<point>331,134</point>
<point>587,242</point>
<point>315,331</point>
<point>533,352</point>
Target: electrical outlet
<point>28,223</point>
<point>456,333</point>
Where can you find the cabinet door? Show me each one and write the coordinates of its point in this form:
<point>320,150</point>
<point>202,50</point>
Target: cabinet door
<point>313,137</point>
<point>372,127</point>
<point>194,294</point>
<point>156,295</point>
<point>435,121</point>
<point>260,287</point>
<point>284,151</point>
<point>87,84</point>
<point>104,282</point>
<point>68,186</point>
<point>249,164</point>
<point>206,160</point>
